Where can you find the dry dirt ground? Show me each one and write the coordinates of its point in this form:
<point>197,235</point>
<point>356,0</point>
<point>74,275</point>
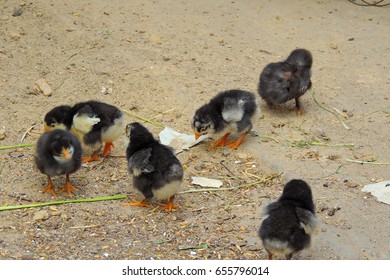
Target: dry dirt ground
<point>162,60</point>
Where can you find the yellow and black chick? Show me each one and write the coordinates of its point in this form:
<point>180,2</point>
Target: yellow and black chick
<point>58,152</point>
<point>93,122</point>
<point>289,222</point>
<point>156,170</point>
<point>228,112</point>
<point>58,118</point>
<point>290,79</point>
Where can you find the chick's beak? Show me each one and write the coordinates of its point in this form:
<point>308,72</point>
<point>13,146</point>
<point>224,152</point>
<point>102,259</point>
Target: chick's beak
<point>66,153</point>
<point>46,128</point>
<point>197,134</point>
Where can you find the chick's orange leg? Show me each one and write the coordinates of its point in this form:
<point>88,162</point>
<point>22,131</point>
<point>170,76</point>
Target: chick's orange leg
<point>107,148</point>
<point>139,203</point>
<point>169,206</point>
<point>298,109</point>
<point>93,157</point>
<point>69,188</point>
<point>234,145</point>
<point>50,187</point>
<point>221,142</point>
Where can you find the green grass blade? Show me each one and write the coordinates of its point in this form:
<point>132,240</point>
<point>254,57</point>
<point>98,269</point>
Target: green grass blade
<point>94,199</point>
<point>17,146</point>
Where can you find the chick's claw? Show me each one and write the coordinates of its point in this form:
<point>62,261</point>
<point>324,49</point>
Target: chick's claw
<point>93,157</point>
<point>68,188</point>
<point>234,145</point>
<point>49,188</point>
<point>139,203</point>
<point>221,142</point>
<point>169,206</point>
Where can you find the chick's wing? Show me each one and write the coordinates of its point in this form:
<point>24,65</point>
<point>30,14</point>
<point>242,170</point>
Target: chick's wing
<point>139,162</point>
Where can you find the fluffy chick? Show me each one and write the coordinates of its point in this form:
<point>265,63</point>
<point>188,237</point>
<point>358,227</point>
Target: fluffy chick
<point>286,80</point>
<point>156,170</point>
<point>93,122</point>
<point>289,223</point>
<point>58,118</point>
<point>228,112</point>
<point>58,152</point>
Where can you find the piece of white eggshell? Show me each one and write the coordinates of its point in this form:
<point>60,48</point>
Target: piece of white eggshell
<point>179,141</point>
<point>206,182</point>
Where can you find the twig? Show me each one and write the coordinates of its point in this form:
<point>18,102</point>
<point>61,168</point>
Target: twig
<point>1,170</point>
<point>142,118</point>
<point>222,163</point>
<point>25,134</point>
<point>192,172</point>
<point>73,55</point>
<point>367,4</point>
<point>121,156</point>
<point>208,190</point>
<point>62,82</point>
<point>366,115</point>
<point>119,196</point>
<point>367,162</point>
<point>17,146</point>
<point>250,174</point>
<point>222,189</point>
<point>162,241</point>
<point>344,115</point>
<point>268,137</point>
<point>202,246</point>
<point>330,111</point>
<point>233,188</point>
<point>90,226</point>
<point>165,112</point>
<point>317,143</point>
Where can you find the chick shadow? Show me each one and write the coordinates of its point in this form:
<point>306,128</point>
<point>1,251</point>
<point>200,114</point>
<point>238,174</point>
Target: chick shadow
<point>283,111</point>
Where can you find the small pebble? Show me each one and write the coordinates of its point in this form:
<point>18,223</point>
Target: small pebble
<point>41,215</point>
<point>331,212</point>
<point>18,11</point>
<point>242,156</point>
<point>44,87</point>
<point>226,152</point>
<point>2,133</point>
<point>15,36</point>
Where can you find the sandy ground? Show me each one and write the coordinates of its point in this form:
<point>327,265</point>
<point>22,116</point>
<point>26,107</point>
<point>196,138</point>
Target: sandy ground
<point>162,60</point>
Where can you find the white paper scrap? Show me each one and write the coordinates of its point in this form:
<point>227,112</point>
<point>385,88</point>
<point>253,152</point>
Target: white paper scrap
<point>380,190</point>
<point>206,182</point>
<point>179,141</point>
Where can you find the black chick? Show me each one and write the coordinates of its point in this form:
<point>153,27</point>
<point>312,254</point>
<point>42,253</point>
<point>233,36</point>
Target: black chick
<point>289,222</point>
<point>93,122</point>
<point>228,112</point>
<point>286,80</point>
<point>156,170</point>
<point>58,152</point>
<point>58,118</point>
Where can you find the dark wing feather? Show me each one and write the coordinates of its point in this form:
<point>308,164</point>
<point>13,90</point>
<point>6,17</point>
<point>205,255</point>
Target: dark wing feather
<point>140,161</point>
<point>307,219</point>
